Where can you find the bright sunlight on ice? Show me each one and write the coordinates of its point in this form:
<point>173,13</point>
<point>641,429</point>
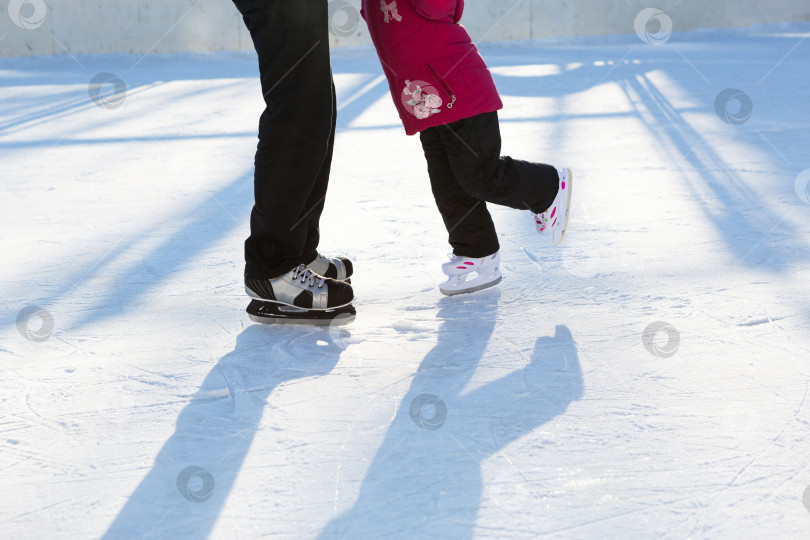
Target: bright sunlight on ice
<point>648,378</point>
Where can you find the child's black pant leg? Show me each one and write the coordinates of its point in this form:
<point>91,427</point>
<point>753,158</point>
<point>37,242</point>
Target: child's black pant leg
<point>469,225</point>
<point>473,147</point>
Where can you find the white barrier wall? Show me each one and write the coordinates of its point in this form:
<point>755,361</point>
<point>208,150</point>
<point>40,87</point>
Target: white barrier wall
<point>37,27</point>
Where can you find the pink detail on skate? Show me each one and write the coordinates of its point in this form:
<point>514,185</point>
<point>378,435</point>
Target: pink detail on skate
<point>563,186</point>
<point>461,267</point>
<point>470,263</point>
<point>555,222</point>
<point>553,212</point>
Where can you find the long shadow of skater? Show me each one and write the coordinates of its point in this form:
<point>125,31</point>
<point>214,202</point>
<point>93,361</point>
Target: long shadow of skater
<point>425,479</point>
<point>185,491</point>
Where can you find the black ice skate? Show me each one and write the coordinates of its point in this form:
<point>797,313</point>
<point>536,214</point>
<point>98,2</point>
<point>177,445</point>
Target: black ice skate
<point>300,296</point>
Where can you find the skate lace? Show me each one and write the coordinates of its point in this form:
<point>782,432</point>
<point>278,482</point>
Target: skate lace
<point>305,274</point>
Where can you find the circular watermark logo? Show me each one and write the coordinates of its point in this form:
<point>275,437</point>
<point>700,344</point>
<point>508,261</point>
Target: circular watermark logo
<point>733,106</point>
<point>107,91</point>
<point>338,332</point>
<point>802,186</point>
<point>428,411</point>
<point>195,484</point>
<point>653,26</point>
<point>344,18</point>
<point>35,323</point>
<point>27,14</point>
<point>653,335</point>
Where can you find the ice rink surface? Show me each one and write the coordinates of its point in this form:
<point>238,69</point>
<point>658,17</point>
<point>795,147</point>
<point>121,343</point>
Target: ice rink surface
<point>138,400</point>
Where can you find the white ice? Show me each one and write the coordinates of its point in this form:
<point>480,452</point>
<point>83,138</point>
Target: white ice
<point>126,226</point>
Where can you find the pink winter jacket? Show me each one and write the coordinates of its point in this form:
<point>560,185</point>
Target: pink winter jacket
<point>434,70</point>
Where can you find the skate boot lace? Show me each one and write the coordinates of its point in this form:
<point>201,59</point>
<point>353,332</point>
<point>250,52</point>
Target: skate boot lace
<point>304,274</point>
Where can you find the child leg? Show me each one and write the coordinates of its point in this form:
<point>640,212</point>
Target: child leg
<point>473,148</point>
<point>469,225</point>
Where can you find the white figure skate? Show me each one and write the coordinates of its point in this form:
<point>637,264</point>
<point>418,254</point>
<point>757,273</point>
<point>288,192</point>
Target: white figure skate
<point>554,221</point>
<point>466,274</point>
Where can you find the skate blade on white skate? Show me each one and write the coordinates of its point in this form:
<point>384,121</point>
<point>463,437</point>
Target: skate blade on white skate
<point>559,229</point>
<point>264,312</point>
<point>464,283</point>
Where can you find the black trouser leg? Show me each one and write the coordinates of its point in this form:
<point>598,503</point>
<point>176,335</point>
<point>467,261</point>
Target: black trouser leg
<point>473,148</point>
<point>469,225</point>
<point>318,196</point>
<point>296,131</point>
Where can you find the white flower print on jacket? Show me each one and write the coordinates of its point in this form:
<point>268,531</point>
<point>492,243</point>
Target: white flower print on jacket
<point>424,103</point>
<point>390,11</point>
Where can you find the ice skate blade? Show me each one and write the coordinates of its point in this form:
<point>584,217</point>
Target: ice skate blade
<point>302,322</point>
<point>263,312</point>
<point>567,207</point>
<point>453,292</point>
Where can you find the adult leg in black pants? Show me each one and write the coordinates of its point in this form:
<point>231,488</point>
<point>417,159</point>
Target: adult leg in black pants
<point>466,167</point>
<point>296,132</point>
<point>293,160</point>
